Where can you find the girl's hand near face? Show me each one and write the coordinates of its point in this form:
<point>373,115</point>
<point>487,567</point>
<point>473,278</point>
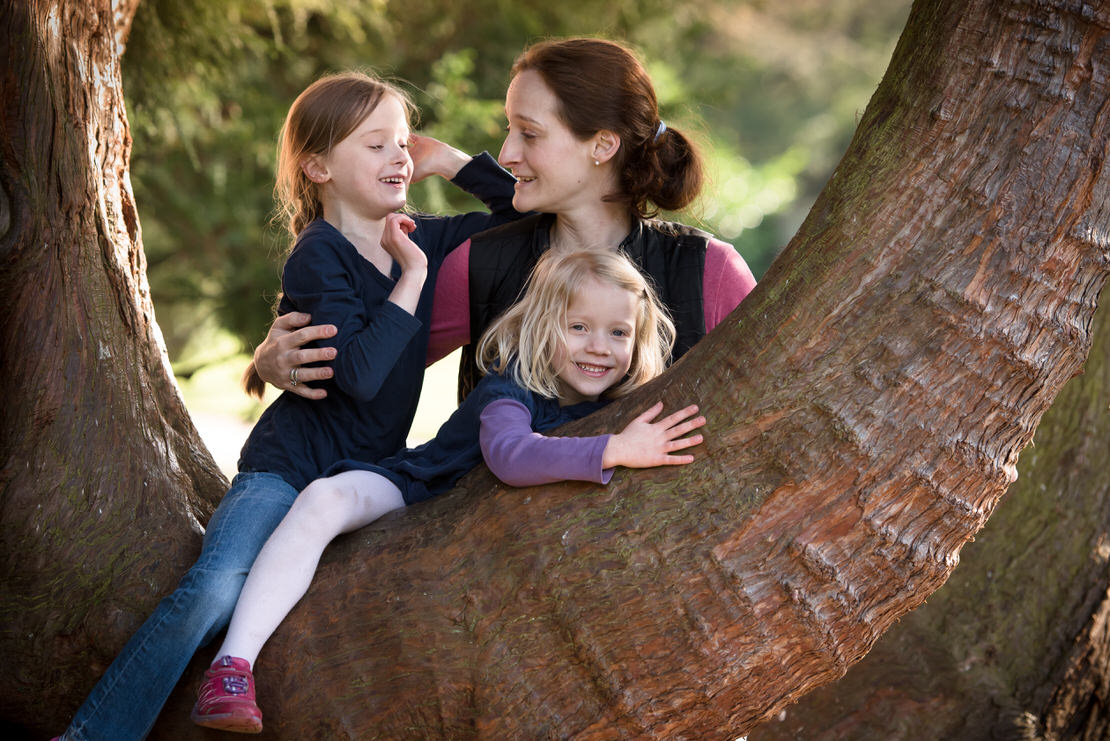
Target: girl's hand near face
<point>433,157</point>
<point>644,443</point>
<point>413,261</point>
<point>396,242</point>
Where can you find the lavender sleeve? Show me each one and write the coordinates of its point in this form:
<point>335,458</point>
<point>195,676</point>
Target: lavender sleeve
<point>520,457</point>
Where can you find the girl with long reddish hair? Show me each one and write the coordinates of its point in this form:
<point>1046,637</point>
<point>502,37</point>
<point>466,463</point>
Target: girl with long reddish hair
<point>345,162</point>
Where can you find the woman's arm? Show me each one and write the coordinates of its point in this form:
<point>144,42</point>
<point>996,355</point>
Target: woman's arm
<point>283,350</point>
<point>727,280</point>
<point>450,328</point>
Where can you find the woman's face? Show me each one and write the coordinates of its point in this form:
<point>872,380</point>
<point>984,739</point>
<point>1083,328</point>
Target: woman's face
<point>554,169</point>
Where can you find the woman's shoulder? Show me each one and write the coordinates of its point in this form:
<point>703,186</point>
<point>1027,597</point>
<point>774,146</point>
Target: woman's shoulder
<point>677,229</point>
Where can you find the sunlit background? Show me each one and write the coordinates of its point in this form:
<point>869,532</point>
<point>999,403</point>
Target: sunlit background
<point>771,89</point>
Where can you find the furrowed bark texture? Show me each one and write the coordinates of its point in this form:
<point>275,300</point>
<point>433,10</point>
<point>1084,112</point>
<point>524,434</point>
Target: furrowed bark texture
<point>1015,645</point>
<point>866,408</point>
<point>102,474</point>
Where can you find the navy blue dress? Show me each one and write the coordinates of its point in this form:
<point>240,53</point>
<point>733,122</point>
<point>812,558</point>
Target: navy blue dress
<point>437,465</point>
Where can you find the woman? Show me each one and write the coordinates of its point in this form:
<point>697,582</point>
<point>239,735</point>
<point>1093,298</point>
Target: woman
<point>593,159</point>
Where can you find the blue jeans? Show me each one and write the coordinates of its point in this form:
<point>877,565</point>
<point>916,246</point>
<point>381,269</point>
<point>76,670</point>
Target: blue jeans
<point>126,701</point>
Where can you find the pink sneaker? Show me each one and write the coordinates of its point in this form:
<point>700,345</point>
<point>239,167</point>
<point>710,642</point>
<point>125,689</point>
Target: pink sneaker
<point>226,699</point>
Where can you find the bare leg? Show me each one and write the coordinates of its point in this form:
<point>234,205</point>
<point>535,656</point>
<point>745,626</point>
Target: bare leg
<point>284,568</point>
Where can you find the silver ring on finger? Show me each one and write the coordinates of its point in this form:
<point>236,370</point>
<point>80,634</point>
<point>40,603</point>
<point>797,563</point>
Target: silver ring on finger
<point>293,376</point>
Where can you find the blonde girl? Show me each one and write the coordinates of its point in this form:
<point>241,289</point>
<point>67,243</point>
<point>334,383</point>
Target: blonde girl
<point>345,162</point>
<point>588,329</point>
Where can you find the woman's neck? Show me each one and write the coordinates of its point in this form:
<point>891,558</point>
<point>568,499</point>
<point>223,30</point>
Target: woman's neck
<point>604,227</point>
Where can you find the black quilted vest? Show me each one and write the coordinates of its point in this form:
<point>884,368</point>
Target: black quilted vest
<point>671,255</point>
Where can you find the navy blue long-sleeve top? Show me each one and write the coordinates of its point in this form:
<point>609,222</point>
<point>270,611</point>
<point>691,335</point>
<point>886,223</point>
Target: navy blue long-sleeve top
<point>379,367</point>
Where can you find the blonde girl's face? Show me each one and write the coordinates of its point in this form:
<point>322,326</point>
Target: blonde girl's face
<point>600,328</point>
<point>368,173</point>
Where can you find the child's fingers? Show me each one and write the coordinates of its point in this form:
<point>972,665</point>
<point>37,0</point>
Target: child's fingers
<point>650,414</point>
<point>677,460</point>
<point>684,442</point>
<point>681,429</point>
<point>401,222</point>
<point>675,418</point>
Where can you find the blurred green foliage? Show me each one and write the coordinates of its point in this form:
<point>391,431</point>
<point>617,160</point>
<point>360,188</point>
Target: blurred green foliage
<point>771,89</point>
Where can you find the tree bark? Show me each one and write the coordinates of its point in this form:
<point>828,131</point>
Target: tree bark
<point>1015,644</point>
<point>104,479</point>
<point>867,404</point>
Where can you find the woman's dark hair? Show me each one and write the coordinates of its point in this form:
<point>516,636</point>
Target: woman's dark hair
<point>602,85</point>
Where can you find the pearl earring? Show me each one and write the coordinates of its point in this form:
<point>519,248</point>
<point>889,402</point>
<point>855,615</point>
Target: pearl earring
<point>596,163</point>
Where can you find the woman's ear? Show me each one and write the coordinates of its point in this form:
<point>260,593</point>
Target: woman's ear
<point>314,169</point>
<point>606,146</point>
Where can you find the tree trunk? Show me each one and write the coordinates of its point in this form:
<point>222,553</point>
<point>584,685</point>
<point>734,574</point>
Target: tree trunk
<point>103,476</point>
<point>1015,644</point>
<point>867,404</point>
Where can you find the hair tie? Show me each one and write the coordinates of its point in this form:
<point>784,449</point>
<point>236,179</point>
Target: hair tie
<point>659,130</point>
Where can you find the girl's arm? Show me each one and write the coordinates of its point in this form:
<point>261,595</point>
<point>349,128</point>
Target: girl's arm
<point>644,444</point>
<point>521,457</point>
<point>320,277</point>
<point>480,176</point>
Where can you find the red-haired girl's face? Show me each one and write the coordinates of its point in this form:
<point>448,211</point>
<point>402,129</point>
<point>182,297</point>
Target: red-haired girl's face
<point>554,169</point>
<point>367,174</point>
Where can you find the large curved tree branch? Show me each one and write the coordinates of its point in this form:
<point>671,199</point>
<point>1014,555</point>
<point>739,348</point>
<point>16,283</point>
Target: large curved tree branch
<point>1014,645</point>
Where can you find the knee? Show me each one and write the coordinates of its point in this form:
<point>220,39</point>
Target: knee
<point>321,507</point>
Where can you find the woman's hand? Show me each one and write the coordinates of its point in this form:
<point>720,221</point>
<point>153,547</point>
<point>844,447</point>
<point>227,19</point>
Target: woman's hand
<point>643,443</point>
<point>282,352</point>
<point>433,157</point>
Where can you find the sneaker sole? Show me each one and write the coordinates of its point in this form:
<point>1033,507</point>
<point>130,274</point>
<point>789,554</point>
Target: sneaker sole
<point>228,723</point>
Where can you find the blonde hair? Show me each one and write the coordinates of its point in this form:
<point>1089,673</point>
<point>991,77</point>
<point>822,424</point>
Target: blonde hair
<point>529,336</point>
<point>322,116</point>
